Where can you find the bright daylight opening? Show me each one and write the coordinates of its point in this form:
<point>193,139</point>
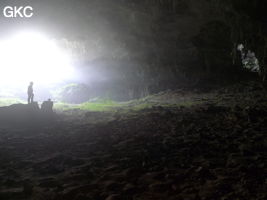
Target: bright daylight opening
<point>31,56</point>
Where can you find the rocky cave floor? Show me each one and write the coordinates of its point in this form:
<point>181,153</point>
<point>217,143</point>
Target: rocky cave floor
<point>215,149</point>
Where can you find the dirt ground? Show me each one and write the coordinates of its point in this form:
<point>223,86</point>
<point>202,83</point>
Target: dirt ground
<point>213,149</point>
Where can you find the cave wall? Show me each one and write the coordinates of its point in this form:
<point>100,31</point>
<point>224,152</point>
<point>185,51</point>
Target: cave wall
<point>160,44</point>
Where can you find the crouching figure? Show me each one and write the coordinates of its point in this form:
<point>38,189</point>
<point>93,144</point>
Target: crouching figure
<point>47,106</point>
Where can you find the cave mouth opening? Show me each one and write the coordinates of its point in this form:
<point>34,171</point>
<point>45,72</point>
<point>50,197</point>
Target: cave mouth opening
<point>32,56</point>
<point>27,56</point>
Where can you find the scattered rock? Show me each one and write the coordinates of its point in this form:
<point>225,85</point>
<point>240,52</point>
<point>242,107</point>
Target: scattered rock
<point>114,197</point>
<point>130,189</point>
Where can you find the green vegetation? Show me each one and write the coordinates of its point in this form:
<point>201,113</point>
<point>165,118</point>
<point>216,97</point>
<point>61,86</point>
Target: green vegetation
<point>65,106</point>
<point>72,93</point>
<point>106,105</point>
<point>101,105</point>
<point>142,106</point>
<point>10,101</point>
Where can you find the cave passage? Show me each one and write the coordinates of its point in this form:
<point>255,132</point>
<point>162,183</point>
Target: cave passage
<point>133,100</point>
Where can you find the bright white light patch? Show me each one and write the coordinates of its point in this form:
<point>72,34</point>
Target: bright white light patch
<point>33,57</point>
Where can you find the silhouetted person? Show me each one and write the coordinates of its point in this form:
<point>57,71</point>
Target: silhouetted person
<point>47,106</point>
<point>30,93</point>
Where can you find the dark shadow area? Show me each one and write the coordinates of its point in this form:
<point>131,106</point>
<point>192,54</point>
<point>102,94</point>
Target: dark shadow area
<point>27,115</point>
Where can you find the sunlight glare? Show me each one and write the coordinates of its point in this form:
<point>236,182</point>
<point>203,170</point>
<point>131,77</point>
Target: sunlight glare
<point>31,56</point>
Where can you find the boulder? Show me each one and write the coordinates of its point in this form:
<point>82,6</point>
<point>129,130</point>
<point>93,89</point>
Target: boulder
<point>22,114</point>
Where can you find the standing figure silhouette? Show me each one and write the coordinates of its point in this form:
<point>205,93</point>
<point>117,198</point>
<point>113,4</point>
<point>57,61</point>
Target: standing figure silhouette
<point>30,93</point>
